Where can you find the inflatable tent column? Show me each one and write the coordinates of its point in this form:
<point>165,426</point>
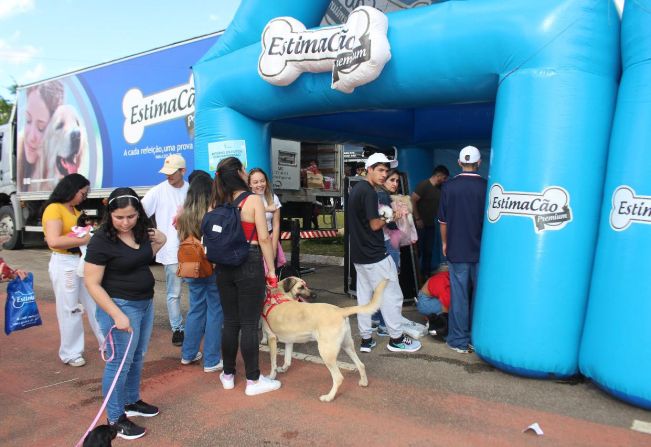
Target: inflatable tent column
<point>616,347</point>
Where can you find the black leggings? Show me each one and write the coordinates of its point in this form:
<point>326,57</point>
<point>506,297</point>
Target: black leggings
<point>242,291</point>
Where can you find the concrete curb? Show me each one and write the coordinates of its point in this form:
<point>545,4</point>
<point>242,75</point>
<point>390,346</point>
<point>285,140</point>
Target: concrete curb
<point>319,259</point>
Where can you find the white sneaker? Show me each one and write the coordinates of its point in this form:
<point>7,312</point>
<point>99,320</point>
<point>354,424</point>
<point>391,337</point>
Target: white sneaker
<point>227,382</point>
<point>79,361</point>
<point>413,329</point>
<point>211,369</point>
<point>195,359</point>
<point>263,385</point>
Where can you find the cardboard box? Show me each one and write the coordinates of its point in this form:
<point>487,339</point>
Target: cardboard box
<point>314,180</point>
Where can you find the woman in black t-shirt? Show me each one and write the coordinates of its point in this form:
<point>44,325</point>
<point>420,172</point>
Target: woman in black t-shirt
<point>118,277</point>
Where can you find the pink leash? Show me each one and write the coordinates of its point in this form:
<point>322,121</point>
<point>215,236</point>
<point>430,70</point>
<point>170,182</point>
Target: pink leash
<point>109,338</point>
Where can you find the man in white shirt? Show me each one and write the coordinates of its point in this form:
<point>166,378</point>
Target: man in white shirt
<point>164,201</point>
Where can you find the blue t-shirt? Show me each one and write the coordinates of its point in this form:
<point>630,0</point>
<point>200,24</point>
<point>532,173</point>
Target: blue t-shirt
<point>462,210</point>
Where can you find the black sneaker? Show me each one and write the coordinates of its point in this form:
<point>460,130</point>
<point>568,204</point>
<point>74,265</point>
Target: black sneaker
<point>177,338</point>
<point>438,325</point>
<point>140,408</point>
<point>127,429</point>
<point>367,345</point>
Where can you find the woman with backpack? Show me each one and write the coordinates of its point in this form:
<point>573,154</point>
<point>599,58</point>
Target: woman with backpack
<point>242,287</point>
<point>205,317</point>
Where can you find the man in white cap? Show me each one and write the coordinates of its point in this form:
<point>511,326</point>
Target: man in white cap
<point>461,217</point>
<point>164,201</point>
<point>372,262</point>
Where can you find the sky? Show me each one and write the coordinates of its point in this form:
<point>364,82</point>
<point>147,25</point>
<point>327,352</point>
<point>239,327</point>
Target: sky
<point>40,39</point>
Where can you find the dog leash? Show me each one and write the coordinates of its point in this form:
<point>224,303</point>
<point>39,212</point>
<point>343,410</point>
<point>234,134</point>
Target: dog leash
<point>109,339</point>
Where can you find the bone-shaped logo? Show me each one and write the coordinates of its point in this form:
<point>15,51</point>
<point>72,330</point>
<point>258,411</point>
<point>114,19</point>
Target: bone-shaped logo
<point>628,208</point>
<point>142,111</point>
<point>19,299</point>
<point>356,51</point>
<point>549,210</point>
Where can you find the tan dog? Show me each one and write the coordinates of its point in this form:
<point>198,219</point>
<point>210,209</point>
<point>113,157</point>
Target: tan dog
<point>64,145</point>
<point>290,321</point>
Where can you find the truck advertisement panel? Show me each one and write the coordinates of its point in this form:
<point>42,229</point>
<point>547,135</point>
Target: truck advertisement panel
<point>113,123</point>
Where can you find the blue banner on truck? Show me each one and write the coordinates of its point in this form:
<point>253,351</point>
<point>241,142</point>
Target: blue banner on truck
<point>114,123</point>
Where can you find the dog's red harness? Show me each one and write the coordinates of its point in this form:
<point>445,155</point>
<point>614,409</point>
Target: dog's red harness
<point>274,297</point>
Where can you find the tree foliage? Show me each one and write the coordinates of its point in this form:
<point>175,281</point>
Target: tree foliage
<point>5,110</point>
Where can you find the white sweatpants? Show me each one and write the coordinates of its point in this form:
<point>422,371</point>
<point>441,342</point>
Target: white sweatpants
<point>368,278</point>
<point>72,301</point>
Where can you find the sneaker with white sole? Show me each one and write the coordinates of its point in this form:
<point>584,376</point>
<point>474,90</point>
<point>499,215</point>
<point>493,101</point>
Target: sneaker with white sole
<point>79,361</point>
<point>195,359</point>
<point>140,408</point>
<point>227,380</point>
<point>211,369</point>
<point>403,344</point>
<point>127,429</point>
<point>413,329</point>
<point>367,345</point>
<point>459,350</point>
<point>262,385</point>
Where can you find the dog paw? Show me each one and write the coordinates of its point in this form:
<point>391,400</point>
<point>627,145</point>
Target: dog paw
<point>363,382</point>
<point>282,369</point>
<point>326,398</point>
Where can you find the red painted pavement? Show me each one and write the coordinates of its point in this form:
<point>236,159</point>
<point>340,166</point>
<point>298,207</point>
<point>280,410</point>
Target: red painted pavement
<point>196,411</point>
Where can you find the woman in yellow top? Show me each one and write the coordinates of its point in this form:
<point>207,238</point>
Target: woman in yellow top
<point>72,298</point>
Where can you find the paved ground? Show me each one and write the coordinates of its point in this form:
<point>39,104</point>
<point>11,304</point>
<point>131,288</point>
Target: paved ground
<point>433,398</point>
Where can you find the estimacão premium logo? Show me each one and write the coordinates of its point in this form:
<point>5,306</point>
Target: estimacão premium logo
<point>355,52</point>
<point>549,210</point>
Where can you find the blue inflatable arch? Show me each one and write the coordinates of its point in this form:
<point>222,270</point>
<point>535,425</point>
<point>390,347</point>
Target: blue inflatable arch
<point>616,347</point>
<point>550,67</point>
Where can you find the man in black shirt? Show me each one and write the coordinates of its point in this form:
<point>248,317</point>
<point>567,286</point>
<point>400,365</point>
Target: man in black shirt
<point>372,262</point>
<point>425,199</point>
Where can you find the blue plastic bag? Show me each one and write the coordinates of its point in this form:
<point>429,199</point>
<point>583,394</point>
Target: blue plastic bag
<point>21,311</point>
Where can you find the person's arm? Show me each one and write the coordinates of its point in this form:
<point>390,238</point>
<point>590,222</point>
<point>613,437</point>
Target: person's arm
<point>149,202</point>
<point>415,198</point>
<point>260,220</point>
<point>370,202</point>
<point>58,241</point>
<point>157,239</point>
<point>444,238</point>
<point>93,275</point>
<point>275,232</point>
<point>7,273</point>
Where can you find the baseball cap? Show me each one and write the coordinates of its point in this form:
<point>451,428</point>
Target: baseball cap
<point>379,157</point>
<point>469,154</point>
<point>172,164</point>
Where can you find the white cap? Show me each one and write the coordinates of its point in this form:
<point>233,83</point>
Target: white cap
<point>172,164</point>
<point>469,154</point>
<point>379,157</point>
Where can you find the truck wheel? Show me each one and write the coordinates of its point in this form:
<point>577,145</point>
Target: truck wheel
<point>8,227</point>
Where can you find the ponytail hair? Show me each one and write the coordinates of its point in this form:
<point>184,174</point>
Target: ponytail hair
<point>227,181</point>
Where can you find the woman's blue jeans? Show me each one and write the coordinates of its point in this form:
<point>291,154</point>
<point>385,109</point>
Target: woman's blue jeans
<point>204,320</point>
<point>127,388</point>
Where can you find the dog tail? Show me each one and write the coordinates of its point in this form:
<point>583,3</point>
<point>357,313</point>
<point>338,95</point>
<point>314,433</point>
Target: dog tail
<point>370,307</point>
